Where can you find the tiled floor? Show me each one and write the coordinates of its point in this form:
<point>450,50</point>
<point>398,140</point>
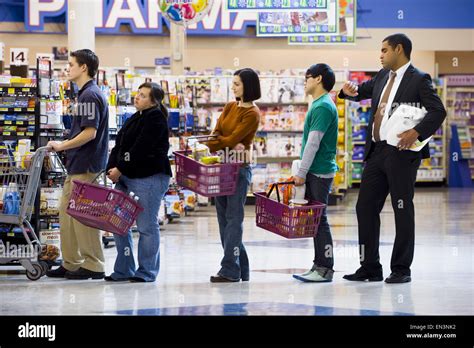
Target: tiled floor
<point>190,252</point>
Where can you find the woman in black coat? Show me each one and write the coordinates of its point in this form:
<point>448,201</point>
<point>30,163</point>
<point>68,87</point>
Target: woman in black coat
<point>139,163</point>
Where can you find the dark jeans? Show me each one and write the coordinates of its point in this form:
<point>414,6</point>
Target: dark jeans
<point>230,215</point>
<point>317,189</point>
<point>388,170</point>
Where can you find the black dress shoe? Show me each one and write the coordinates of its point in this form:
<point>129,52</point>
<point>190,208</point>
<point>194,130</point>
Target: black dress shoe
<point>221,279</point>
<point>361,276</point>
<point>395,278</point>
<point>137,280</point>
<point>110,279</point>
<point>83,274</point>
<point>59,272</point>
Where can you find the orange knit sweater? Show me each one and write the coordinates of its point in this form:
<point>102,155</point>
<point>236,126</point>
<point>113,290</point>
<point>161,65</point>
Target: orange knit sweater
<point>235,125</point>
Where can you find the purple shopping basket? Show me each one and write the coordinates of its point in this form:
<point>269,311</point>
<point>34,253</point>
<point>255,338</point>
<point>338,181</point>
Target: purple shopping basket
<point>285,220</point>
<point>102,207</point>
<point>207,180</point>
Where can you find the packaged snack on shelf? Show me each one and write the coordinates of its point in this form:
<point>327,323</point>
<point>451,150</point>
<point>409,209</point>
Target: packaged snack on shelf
<point>49,200</point>
<point>174,205</point>
<point>51,240</point>
<point>189,199</point>
<point>286,90</point>
<point>260,145</point>
<point>269,88</point>
<point>219,88</point>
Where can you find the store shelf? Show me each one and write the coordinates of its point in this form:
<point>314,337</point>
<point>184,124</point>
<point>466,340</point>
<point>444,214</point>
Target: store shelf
<point>430,180</point>
<point>358,143</point>
<point>261,160</point>
<point>17,134</point>
<point>280,131</point>
<point>10,89</point>
<point>23,110</point>
<point>357,161</point>
<point>257,103</point>
<point>17,123</point>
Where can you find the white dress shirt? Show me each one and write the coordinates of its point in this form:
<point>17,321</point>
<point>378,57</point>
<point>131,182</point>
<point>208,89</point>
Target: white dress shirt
<point>398,79</point>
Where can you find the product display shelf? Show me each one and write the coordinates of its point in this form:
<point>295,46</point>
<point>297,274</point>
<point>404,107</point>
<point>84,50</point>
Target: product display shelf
<point>54,104</point>
<point>23,114</point>
<point>460,108</point>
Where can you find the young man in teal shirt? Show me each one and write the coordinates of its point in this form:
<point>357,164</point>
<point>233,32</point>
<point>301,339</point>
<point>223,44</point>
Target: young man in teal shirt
<point>318,164</point>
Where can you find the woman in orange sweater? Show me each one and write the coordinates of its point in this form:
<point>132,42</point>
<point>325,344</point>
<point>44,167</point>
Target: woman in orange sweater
<point>235,132</point>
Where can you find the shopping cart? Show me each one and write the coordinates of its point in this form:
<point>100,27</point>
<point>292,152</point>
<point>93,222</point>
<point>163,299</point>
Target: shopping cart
<point>207,180</point>
<point>19,186</point>
<point>289,221</point>
<point>103,207</point>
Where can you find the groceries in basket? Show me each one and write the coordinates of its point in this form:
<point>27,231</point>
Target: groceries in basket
<point>275,212</point>
<point>281,193</point>
<point>199,171</point>
<point>198,150</point>
<point>210,160</point>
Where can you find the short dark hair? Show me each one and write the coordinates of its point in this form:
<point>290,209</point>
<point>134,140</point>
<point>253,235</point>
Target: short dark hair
<point>251,84</point>
<point>328,78</point>
<point>157,94</point>
<point>400,39</point>
<point>88,58</point>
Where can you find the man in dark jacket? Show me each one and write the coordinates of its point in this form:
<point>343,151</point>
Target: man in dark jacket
<point>390,169</point>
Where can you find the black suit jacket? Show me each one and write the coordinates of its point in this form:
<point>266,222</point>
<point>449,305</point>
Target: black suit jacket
<point>416,90</point>
<point>141,147</point>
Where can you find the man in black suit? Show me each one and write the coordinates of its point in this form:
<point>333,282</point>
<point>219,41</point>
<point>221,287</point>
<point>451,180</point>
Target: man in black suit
<point>391,169</point>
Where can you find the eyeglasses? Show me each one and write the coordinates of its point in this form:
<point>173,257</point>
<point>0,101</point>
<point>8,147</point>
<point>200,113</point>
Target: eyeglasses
<point>308,77</point>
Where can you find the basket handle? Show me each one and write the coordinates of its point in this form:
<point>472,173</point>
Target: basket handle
<point>277,191</point>
<point>198,137</point>
<point>102,172</point>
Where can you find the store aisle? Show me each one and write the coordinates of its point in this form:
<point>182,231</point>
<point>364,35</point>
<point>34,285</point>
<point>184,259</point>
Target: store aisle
<point>442,271</point>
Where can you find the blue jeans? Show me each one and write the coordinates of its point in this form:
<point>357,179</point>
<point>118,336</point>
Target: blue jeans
<point>150,190</point>
<point>230,215</point>
<point>317,189</point>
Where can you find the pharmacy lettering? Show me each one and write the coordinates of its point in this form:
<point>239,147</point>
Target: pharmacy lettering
<point>144,17</point>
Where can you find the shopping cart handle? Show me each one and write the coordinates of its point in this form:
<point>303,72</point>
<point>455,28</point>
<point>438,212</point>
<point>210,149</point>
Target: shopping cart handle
<point>202,136</point>
<point>44,148</point>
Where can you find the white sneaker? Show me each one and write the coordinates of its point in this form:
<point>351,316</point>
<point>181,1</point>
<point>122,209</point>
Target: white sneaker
<point>304,274</point>
<point>313,276</point>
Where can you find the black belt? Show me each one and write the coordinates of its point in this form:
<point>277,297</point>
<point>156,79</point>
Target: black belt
<point>380,143</point>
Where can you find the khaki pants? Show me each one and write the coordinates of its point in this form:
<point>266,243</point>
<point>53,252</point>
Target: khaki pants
<point>81,246</point>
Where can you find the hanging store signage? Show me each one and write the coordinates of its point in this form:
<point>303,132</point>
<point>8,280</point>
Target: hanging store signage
<point>346,26</point>
<point>144,17</point>
<point>165,61</point>
<point>2,52</point>
<point>298,22</point>
<point>19,56</point>
<point>46,56</point>
<point>275,5</point>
